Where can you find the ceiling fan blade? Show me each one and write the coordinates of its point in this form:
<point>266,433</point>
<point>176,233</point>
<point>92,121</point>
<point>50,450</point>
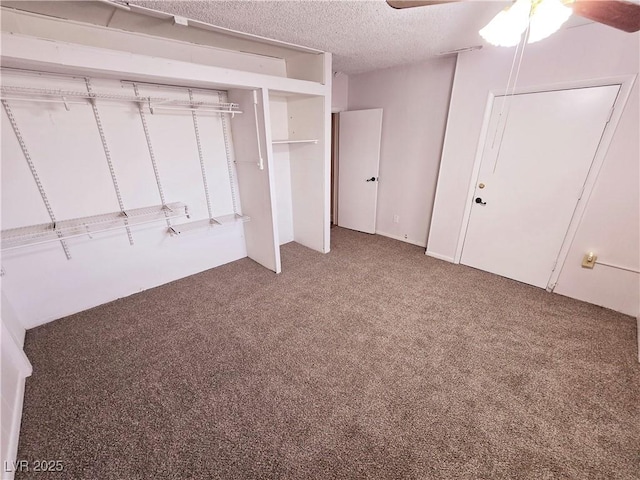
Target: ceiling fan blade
<point>619,14</point>
<point>417,3</point>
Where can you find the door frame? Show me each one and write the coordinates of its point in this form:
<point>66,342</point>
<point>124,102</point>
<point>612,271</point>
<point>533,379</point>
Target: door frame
<point>626,83</point>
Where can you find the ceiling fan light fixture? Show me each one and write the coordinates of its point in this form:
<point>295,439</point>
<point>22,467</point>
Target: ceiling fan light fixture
<point>506,28</point>
<point>547,17</point>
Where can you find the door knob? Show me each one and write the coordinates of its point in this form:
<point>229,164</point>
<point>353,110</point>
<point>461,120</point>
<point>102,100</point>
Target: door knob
<point>372,179</point>
<point>479,200</point>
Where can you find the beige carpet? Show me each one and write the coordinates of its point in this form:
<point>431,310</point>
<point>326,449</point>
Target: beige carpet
<point>373,361</point>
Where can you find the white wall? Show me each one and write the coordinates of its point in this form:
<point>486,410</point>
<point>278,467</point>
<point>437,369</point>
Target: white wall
<point>415,100</point>
<point>339,92</point>
<point>610,223</point>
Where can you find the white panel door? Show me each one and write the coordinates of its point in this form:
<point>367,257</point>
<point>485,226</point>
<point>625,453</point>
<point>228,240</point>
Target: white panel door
<point>531,178</point>
<point>358,165</point>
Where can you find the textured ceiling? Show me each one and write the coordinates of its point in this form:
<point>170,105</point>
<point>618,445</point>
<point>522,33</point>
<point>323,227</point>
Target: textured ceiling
<point>362,35</point>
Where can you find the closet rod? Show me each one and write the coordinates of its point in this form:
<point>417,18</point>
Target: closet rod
<point>174,87</point>
<point>195,109</point>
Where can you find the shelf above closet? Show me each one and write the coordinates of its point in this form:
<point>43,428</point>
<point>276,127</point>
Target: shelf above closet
<point>71,97</point>
<point>288,142</point>
<point>62,230</point>
<point>221,221</point>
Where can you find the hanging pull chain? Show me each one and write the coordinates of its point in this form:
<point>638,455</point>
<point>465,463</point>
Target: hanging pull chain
<point>518,55</point>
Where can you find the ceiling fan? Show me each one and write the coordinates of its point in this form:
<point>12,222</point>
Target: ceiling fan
<point>540,18</point>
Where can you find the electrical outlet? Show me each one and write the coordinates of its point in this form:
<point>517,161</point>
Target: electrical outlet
<point>406,236</point>
<point>396,219</point>
<point>589,260</point>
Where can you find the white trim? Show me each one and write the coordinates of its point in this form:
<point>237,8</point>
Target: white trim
<point>401,238</point>
<point>617,267</point>
<point>16,353</point>
<point>626,84</point>
<point>16,421</point>
<point>474,177</point>
<point>439,256</point>
<point>21,51</point>
<point>571,85</point>
<point>444,147</point>
<point>17,357</point>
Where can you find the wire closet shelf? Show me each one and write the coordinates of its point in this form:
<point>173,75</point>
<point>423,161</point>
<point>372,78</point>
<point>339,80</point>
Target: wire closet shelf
<point>70,97</point>
<point>77,227</point>
<point>60,231</point>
